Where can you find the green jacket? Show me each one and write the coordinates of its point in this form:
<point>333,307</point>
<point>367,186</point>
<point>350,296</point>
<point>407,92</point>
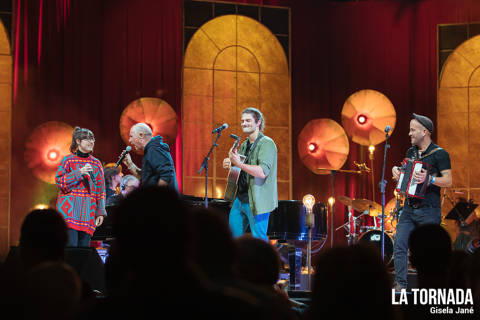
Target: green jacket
<point>262,193</point>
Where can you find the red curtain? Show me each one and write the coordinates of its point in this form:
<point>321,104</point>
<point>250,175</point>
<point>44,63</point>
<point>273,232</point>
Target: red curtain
<point>82,62</point>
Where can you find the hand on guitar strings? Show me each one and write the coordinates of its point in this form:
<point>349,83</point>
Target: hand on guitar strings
<point>234,157</point>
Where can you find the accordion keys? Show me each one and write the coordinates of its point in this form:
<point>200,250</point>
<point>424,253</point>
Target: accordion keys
<point>406,183</point>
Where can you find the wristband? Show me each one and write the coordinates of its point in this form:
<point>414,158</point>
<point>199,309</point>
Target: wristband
<point>432,180</point>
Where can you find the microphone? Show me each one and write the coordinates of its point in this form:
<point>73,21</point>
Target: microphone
<point>234,136</point>
<point>387,129</point>
<point>222,127</point>
<point>122,156</point>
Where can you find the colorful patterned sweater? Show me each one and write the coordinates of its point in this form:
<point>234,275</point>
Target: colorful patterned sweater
<point>81,198</point>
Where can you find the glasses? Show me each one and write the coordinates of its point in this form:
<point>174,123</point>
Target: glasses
<point>89,139</point>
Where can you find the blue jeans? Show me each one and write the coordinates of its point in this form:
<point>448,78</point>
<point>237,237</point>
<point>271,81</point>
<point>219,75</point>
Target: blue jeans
<point>78,238</point>
<point>241,217</point>
<point>410,218</point>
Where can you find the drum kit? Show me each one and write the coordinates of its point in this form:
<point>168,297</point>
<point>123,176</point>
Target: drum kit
<point>360,230</point>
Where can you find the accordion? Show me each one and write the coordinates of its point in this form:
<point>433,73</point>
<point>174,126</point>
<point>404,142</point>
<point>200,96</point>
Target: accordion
<point>406,183</point>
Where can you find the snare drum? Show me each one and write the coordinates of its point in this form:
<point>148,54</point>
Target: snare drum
<point>374,237</point>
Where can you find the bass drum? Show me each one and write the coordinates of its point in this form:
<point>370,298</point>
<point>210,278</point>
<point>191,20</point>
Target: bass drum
<point>374,238</point>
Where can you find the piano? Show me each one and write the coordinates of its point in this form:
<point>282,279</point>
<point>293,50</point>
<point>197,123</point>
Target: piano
<point>286,223</point>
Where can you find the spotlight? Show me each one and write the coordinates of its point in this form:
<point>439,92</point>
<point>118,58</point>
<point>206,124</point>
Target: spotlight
<point>362,119</point>
<point>331,201</point>
<point>41,206</point>
<point>52,155</point>
<point>312,147</point>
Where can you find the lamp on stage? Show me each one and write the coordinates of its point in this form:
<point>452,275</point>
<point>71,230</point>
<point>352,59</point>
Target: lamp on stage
<point>309,202</point>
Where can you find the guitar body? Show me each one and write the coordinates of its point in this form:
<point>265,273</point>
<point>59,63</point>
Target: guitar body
<point>232,180</point>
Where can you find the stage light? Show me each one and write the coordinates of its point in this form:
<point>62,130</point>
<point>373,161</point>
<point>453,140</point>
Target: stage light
<point>309,202</point>
<point>362,119</point>
<point>331,201</point>
<point>52,155</point>
<point>312,147</point>
<point>41,206</point>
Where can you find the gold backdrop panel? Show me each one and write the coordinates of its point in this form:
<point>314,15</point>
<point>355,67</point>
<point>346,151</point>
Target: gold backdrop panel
<point>248,88</point>
<point>202,51</point>
<point>5,97</point>
<point>227,59</point>
<point>456,71</point>
<point>247,61</point>
<point>191,105</point>
<point>5,69</point>
<point>473,101</point>
<point>269,52</point>
<point>221,32</point>
<point>458,112</point>
<point>224,84</point>
<point>197,82</point>
<point>226,114</point>
<point>452,99</point>
<point>475,79</point>
<point>4,43</point>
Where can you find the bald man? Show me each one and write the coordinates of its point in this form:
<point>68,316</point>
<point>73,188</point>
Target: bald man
<point>157,163</point>
<point>417,211</point>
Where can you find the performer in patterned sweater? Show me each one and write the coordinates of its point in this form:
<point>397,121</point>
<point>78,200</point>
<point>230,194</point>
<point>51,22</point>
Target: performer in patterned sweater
<point>81,186</point>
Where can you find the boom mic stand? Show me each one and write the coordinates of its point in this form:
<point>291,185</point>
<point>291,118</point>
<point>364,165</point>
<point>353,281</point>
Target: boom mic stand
<point>383,184</point>
<point>205,165</point>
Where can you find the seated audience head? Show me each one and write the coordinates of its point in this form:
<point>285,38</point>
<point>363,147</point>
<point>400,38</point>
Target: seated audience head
<point>43,237</point>
<point>53,291</point>
<point>212,246</point>
<point>128,184</point>
<point>149,222</point>
<point>256,261</point>
<point>430,249</point>
<point>347,280</point>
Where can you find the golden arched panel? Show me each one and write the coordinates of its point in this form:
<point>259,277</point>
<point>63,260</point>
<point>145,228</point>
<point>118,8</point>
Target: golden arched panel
<point>5,138</point>
<point>233,62</point>
<point>458,115</point>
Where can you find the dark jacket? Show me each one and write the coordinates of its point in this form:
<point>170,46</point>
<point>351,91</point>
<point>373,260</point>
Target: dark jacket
<point>158,163</point>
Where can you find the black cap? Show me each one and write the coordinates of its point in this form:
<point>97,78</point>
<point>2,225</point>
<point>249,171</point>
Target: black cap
<point>424,121</point>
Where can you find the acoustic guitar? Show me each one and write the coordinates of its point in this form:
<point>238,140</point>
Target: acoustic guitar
<point>233,175</point>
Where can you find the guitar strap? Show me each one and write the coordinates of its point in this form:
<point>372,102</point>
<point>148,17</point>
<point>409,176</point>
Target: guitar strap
<point>260,136</point>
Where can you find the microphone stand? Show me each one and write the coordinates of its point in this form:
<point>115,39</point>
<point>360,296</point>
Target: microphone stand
<point>205,166</point>
<point>383,184</point>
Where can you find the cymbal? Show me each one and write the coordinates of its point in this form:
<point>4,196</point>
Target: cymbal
<point>345,200</point>
<point>373,208</point>
<point>323,146</point>
<point>365,115</point>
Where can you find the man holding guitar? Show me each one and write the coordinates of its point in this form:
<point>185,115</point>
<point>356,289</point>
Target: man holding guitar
<point>426,210</point>
<point>256,196</point>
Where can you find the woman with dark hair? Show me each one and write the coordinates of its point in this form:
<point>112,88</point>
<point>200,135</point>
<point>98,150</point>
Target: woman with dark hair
<point>113,178</point>
<point>81,185</point>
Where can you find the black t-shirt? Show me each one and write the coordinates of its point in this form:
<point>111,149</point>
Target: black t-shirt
<point>242,193</point>
<point>439,161</point>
